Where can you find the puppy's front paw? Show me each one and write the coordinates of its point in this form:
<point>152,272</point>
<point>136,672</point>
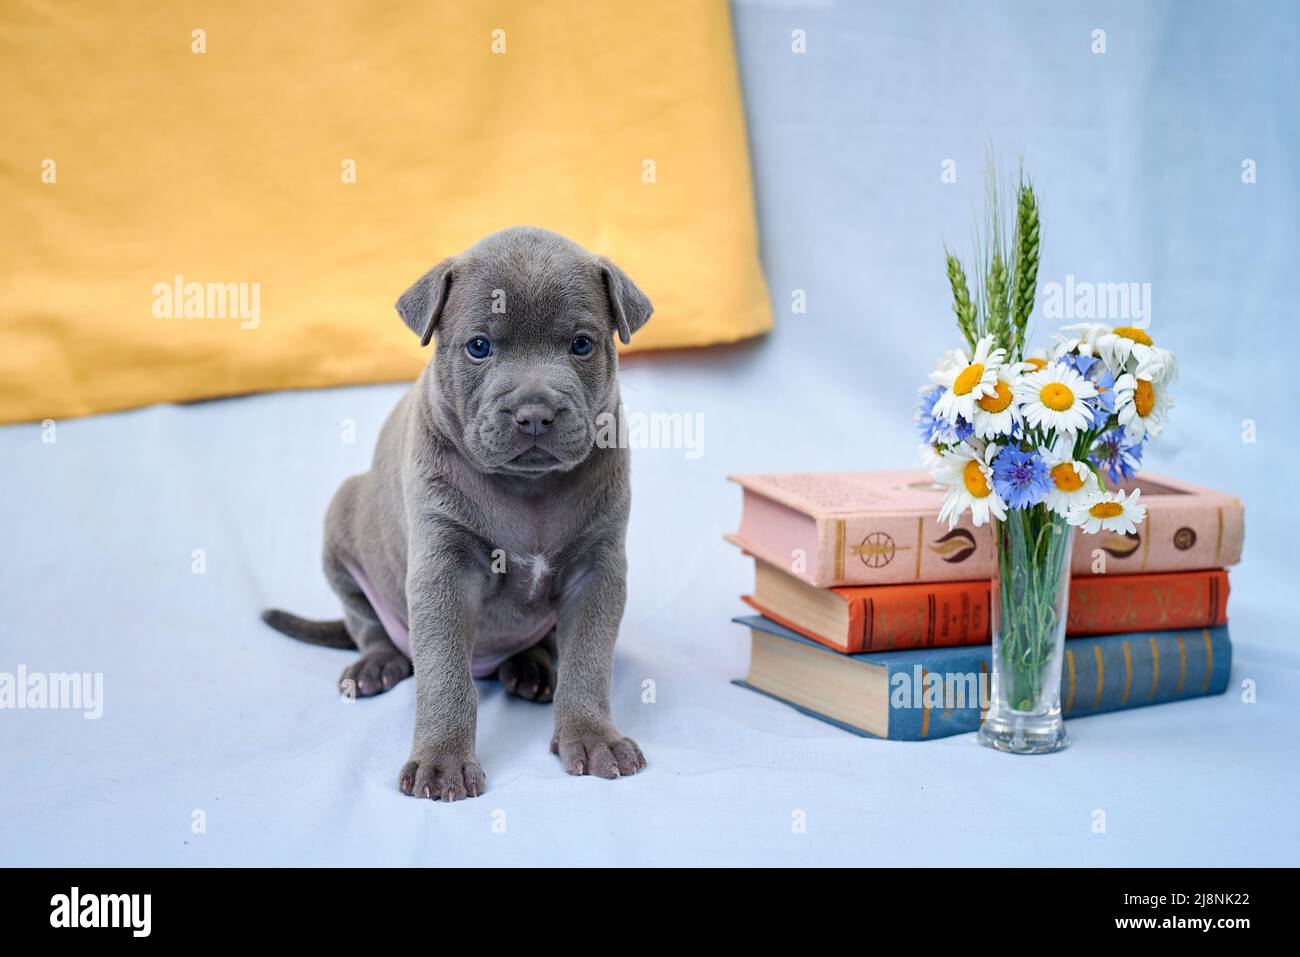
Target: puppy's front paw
<point>374,672</point>
<point>600,751</point>
<point>529,674</point>
<point>442,775</point>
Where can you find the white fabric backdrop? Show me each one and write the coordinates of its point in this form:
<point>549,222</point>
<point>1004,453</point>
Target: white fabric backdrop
<point>1137,155</point>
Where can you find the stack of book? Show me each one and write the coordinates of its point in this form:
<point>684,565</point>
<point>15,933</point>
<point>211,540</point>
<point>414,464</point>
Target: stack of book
<point>875,617</point>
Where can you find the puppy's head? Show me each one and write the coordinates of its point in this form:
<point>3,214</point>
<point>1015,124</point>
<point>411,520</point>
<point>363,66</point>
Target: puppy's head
<point>525,361</point>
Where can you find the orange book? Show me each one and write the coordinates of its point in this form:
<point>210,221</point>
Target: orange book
<point>892,617</point>
<point>882,528</point>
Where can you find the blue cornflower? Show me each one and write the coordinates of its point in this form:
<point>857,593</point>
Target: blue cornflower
<point>1021,478</point>
<point>1115,457</point>
<point>1080,364</point>
<point>1095,371</point>
<point>934,430</point>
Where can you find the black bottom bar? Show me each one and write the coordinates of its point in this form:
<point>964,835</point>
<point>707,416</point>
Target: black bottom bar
<point>338,907</point>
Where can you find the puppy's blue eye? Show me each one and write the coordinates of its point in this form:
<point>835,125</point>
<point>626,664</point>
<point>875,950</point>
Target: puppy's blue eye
<point>478,348</point>
<point>581,345</point>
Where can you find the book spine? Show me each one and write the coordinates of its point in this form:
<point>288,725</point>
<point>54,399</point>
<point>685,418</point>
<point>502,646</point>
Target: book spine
<point>897,617</point>
<point>1128,671</point>
<point>1157,602</point>
<point>1197,533</point>
<point>934,697</point>
<point>937,695</point>
<point>898,549</point>
<point>1185,535</point>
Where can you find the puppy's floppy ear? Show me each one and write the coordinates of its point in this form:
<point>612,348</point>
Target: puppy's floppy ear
<point>628,304</point>
<point>421,306</point>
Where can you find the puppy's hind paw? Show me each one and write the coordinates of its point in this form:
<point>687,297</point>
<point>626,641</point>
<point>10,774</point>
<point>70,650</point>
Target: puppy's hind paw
<point>601,752</point>
<point>374,673</point>
<point>442,777</point>
<point>529,675</point>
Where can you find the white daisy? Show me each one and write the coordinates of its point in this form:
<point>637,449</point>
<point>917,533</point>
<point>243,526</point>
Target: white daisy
<point>1035,360</point>
<point>1053,398</point>
<point>969,477</point>
<point>1073,481</point>
<point>1084,340</point>
<point>1130,348</point>
<point>966,381</point>
<point>1158,365</point>
<point>1109,511</point>
<point>998,413</point>
<point>1142,406</point>
<point>950,358</point>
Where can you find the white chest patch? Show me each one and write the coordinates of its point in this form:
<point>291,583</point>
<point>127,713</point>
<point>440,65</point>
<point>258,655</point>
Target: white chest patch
<point>538,570</point>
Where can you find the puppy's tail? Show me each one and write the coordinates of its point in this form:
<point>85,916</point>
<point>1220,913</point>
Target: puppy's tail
<point>330,634</point>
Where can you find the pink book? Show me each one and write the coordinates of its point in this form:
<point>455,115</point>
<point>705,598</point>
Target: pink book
<point>881,528</point>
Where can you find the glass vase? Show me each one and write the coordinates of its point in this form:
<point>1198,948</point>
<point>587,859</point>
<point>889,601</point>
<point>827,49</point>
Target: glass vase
<point>1030,599</point>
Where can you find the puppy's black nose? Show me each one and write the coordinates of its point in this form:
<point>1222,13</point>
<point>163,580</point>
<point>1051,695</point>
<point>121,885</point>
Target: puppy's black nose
<point>534,419</point>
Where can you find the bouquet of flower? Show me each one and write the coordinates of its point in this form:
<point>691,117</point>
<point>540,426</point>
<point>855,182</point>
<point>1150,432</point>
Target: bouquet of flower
<point>1031,439</point>
<point>1040,432</point>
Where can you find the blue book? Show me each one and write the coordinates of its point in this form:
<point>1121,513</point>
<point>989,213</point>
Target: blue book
<point>934,692</point>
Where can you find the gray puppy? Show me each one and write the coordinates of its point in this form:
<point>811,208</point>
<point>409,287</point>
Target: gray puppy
<point>488,535</point>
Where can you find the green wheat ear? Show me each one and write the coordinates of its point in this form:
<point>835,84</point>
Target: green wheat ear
<point>1027,254</point>
<point>961,301</point>
<point>999,304</point>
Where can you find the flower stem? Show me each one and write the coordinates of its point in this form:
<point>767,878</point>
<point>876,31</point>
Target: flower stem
<point>1031,553</point>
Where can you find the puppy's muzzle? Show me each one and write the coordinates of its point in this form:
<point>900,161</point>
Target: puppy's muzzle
<point>535,418</point>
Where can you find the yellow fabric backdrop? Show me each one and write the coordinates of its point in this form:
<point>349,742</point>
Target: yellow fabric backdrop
<point>128,159</point>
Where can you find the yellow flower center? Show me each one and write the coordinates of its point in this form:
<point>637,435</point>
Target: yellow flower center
<point>1037,363</point>
<point>1066,478</point>
<point>1129,332</point>
<point>973,477</point>
<point>1144,398</point>
<point>968,379</point>
<point>998,402</point>
<point>1056,396</point>
<point>1106,510</point>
